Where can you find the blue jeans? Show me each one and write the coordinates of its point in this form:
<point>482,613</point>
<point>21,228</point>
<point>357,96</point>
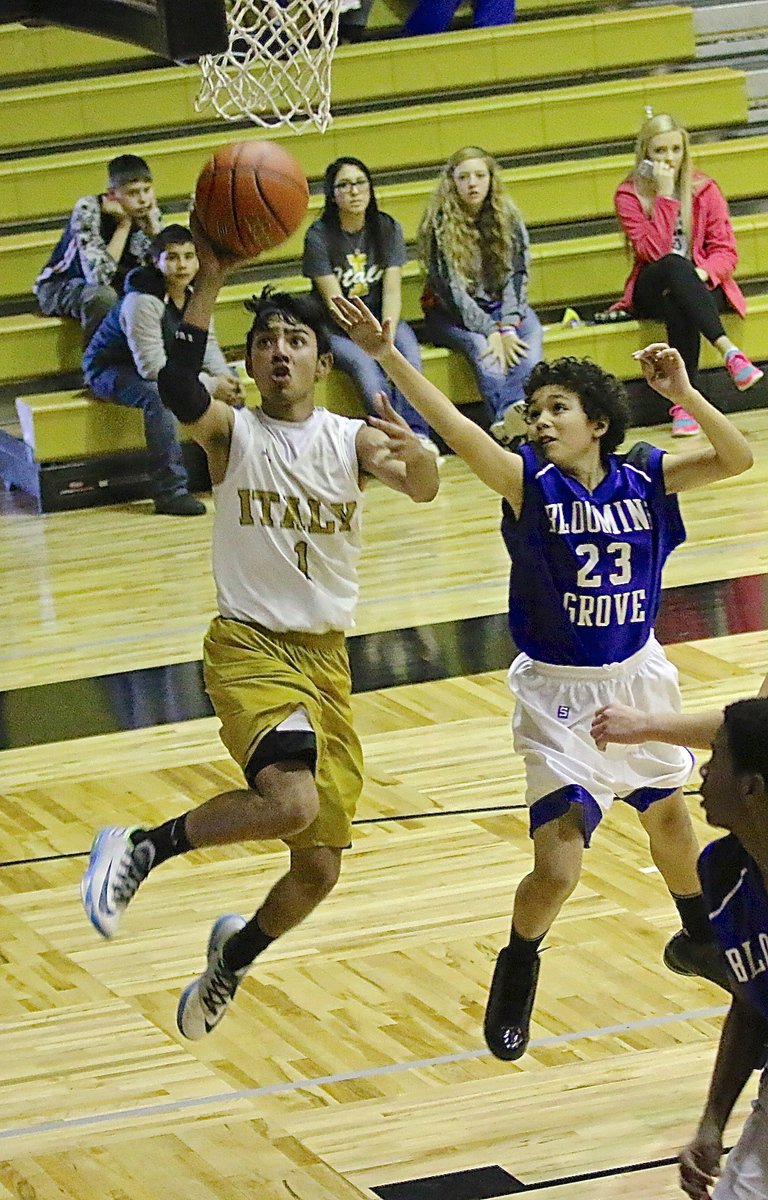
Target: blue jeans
<point>370,379</point>
<point>435,16</point>
<point>123,385</point>
<point>499,388</point>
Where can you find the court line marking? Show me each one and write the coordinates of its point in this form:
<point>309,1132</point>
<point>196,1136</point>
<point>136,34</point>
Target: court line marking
<point>296,1085</point>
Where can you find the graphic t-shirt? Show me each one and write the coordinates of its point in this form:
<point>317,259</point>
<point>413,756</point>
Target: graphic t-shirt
<point>353,259</point>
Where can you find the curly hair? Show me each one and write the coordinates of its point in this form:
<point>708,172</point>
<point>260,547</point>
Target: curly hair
<point>462,239</point>
<point>299,309</point>
<point>600,394</point>
<point>746,727</point>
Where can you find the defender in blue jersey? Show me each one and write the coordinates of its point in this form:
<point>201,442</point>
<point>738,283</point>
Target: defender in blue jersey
<point>734,875</point>
<point>588,531</point>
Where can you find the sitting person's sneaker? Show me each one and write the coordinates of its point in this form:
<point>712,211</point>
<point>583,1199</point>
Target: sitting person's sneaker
<point>511,424</point>
<point>184,504</point>
<point>705,959</point>
<point>115,870</point>
<point>204,1002</point>
<point>683,424</point>
<point>743,372</point>
<point>509,1007</point>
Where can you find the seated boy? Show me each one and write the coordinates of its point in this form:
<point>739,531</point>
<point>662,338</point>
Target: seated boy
<point>106,236</point>
<point>128,351</point>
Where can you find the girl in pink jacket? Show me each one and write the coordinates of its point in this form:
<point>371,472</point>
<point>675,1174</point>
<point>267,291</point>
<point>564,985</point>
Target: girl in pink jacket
<point>676,221</point>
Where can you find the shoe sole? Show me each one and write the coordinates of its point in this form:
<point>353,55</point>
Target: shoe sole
<point>744,387</point>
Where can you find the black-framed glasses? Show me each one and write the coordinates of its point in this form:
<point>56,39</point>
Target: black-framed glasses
<point>347,185</point>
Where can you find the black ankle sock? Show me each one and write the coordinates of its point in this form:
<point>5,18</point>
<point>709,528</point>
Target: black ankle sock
<point>243,947</point>
<point>168,840</point>
<point>693,914</point>
<point>523,950</point>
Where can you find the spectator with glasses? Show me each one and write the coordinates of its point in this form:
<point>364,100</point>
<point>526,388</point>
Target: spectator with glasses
<point>353,249</point>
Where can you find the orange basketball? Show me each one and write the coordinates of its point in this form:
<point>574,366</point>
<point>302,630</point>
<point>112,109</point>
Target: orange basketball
<point>250,196</point>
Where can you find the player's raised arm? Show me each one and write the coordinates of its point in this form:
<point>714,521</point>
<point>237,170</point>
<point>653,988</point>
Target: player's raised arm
<point>496,467</point>
<point>209,421</point>
<point>728,452</point>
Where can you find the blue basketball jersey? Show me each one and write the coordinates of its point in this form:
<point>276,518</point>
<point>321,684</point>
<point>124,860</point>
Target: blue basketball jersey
<point>585,584</point>
<point>738,912</point>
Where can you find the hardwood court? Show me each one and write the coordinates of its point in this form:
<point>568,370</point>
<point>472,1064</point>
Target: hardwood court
<point>353,1058</point>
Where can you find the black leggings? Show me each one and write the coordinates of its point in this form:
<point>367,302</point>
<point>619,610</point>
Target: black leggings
<point>671,290</point>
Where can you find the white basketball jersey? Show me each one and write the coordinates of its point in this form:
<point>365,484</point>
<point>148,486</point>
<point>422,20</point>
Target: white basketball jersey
<point>286,535</point>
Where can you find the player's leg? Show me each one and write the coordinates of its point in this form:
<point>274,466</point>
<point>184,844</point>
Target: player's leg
<point>279,804</point>
<point>675,850</point>
<point>558,849</point>
<point>235,944</point>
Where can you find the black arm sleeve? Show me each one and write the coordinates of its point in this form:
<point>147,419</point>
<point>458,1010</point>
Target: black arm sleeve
<point>179,382</point>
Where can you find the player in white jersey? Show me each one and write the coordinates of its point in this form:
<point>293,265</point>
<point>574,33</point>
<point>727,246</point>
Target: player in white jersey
<point>587,530</point>
<point>287,483</point>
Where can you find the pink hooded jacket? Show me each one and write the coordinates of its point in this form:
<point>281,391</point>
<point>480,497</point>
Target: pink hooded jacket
<point>714,244</point>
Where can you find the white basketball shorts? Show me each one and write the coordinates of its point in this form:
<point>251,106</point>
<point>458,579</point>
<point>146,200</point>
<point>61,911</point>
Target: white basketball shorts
<point>745,1174</point>
<point>553,714</point>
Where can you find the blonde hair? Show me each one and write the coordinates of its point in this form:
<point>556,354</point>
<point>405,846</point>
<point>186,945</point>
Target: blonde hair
<point>462,238</point>
<point>686,185</point>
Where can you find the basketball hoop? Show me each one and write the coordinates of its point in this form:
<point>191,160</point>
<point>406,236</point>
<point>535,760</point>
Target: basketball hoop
<point>277,69</point>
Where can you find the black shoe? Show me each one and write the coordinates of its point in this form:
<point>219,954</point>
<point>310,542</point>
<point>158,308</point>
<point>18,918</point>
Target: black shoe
<point>510,1001</point>
<point>705,959</point>
<point>183,505</point>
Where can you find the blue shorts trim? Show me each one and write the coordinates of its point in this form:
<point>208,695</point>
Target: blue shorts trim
<point>556,805</point>
<point>642,798</point>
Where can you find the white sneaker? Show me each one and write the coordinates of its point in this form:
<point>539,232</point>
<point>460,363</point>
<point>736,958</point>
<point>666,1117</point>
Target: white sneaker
<point>427,444</point>
<point>115,870</point>
<point>204,1002</point>
<point>511,425</point>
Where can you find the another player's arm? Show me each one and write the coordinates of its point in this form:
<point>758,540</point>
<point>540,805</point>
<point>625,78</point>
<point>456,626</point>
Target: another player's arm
<point>496,467</point>
<point>631,726</point>
<point>209,421</point>
<point>728,453</point>
<point>743,1036</point>
<point>388,449</point>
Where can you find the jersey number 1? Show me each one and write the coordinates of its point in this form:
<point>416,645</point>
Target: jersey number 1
<point>301,554</point>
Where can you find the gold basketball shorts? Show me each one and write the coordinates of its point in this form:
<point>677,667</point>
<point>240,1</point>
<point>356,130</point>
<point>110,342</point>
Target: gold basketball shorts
<point>256,678</point>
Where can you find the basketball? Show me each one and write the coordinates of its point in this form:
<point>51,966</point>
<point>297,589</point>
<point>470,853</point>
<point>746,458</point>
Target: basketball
<point>251,196</point>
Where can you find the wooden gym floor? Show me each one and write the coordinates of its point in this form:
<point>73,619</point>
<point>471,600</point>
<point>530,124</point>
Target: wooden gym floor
<point>352,1063</point>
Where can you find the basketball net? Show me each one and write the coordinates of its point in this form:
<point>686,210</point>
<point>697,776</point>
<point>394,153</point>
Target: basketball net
<point>277,69</point>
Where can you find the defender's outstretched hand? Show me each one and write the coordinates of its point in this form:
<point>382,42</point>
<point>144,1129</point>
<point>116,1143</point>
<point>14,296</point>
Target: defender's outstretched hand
<point>664,370</point>
<point>618,723</point>
<point>403,443</point>
<point>358,321</point>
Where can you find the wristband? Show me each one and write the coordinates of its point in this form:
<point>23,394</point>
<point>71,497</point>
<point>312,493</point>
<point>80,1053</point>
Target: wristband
<point>188,349</point>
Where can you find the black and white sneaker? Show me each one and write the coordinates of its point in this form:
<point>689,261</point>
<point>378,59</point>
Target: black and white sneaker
<point>510,1003</point>
<point>204,1002</point>
<point>115,869</point>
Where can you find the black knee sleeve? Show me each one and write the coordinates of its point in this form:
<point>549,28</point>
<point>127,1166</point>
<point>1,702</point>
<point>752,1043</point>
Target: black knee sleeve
<point>281,746</point>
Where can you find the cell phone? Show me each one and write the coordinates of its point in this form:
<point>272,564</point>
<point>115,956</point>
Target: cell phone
<point>646,169</point>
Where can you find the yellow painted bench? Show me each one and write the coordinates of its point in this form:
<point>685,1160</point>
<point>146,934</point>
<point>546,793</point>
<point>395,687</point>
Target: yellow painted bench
<point>547,193</point>
<point>412,136</point>
<point>71,425</point>
<point>163,98</point>
<point>563,272</point>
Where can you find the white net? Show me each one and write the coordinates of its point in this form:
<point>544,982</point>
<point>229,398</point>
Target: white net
<point>277,70</point>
